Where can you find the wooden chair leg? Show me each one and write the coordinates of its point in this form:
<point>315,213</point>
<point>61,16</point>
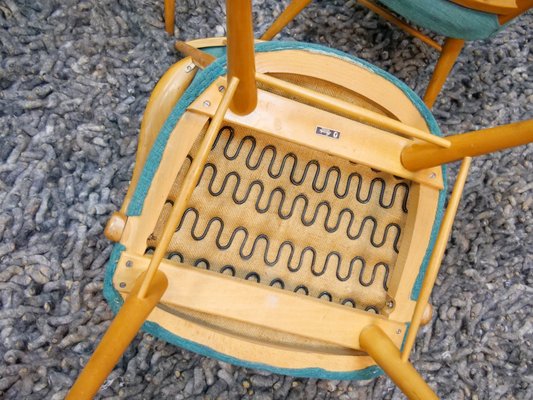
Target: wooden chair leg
<point>169,16</point>
<point>418,156</point>
<point>119,335</point>
<point>292,10</point>
<point>450,51</point>
<point>241,57</point>
<point>385,353</point>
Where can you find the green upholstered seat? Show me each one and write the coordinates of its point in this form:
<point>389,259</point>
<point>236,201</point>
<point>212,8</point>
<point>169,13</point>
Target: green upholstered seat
<point>446,18</point>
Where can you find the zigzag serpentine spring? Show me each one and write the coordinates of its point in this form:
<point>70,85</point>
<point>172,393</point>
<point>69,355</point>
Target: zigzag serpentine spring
<point>330,228</point>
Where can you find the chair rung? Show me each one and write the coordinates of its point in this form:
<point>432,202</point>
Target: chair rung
<point>236,299</point>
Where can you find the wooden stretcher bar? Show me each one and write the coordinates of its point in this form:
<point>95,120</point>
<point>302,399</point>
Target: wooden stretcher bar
<point>357,142</point>
<point>216,294</point>
<point>330,103</point>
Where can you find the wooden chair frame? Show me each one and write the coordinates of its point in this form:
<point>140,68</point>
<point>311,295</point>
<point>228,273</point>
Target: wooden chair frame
<point>449,51</point>
<point>394,148</point>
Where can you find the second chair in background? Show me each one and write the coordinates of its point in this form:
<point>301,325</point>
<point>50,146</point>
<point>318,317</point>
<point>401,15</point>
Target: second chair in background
<point>456,22</point>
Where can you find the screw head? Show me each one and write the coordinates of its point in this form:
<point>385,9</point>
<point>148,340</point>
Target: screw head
<point>129,263</point>
<point>189,68</point>
<point>221,88</point>
<point>398,331</point>
<point>432,175</point>
<point>390,304</point>
<point>122,285</point>
<point>207,103</point>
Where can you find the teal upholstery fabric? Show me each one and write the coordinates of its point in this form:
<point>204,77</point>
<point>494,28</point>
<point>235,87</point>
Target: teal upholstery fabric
<point>446,18</point>
<point>202,80</point>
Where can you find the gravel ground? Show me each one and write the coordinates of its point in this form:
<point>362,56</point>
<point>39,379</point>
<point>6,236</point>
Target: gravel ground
<point>75,77</point>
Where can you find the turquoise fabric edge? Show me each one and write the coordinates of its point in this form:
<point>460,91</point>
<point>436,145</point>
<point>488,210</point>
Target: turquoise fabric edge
<point>447,18</point>
<point>202,80</point>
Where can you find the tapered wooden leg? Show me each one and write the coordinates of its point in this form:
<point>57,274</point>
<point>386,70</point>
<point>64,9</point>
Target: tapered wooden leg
<point>427,155</point>
<point>292,10</point>
<point>385,353</point>
<point>119,335</point>
<point>450,51</point>
<point>169,16</point>
<point>241,56</point>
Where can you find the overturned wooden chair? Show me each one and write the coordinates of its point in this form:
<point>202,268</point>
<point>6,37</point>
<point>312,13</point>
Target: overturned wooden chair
<point>457,20</point>
<point>286,213</point>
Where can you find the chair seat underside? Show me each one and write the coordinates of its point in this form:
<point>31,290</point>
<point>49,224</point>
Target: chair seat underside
<point>286,252</point>
<point>290,217</point>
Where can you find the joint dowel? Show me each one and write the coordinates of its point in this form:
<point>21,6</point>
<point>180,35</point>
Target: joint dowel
<point>425,155</point>
<point>385,353</point>
<point>241,61</point>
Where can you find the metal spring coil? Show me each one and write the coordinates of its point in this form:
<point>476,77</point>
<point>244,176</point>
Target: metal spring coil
<point>352,231</point>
